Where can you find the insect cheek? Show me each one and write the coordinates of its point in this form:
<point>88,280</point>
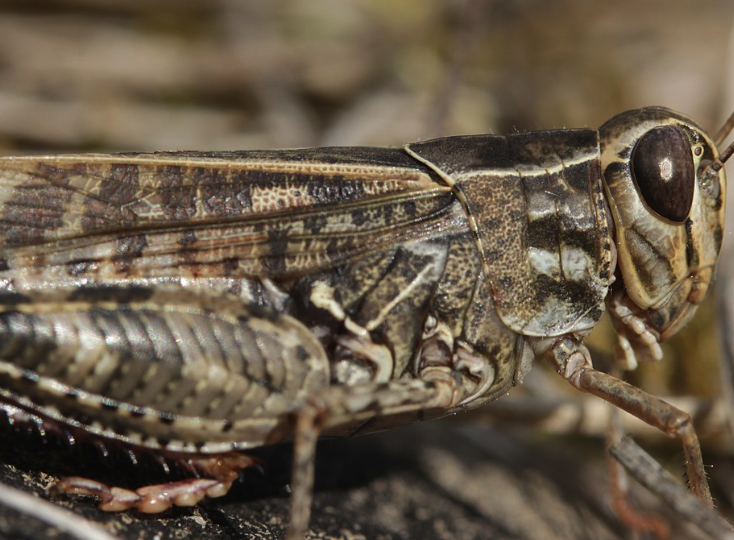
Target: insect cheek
<point>677,309</point>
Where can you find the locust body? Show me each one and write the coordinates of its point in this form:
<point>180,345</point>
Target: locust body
<point>199,304</point>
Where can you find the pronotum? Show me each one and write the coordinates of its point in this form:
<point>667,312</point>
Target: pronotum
<point>194,305</point>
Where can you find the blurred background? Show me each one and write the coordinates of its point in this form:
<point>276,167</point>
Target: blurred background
<point>224,74</point>
<point>114,75</point>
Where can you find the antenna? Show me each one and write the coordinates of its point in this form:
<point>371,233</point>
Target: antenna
<point>716,165</point>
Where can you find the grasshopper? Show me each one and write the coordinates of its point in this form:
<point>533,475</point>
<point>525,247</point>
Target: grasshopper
<point>194,305</point>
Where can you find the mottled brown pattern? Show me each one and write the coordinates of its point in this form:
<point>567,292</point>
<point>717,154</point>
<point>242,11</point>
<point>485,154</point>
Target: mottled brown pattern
<point>198,303</point>
<point>26,216</point>
<point>547,252</point>
<point>242,212</point>
<point>216,193</point>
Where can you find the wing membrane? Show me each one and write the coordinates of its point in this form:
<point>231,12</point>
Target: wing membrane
<point>248,213</point>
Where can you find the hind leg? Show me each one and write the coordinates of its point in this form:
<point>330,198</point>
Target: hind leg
<point>345,405</point>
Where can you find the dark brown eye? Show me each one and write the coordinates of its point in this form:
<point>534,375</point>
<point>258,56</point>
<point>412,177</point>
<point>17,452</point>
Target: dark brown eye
<point>663,169</point>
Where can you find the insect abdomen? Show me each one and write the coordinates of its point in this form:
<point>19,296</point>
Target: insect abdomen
<point>162,368</point>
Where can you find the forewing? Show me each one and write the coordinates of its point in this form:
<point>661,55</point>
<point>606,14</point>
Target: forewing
<point>277,213</point>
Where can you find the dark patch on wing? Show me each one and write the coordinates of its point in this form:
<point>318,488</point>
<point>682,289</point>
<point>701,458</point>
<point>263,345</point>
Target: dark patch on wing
<point>14,298</point>
<point>129,248</point>
<point>118,189</point>
<point>121,295</point>
<point>230,265</point>
<point>80,267</point>
<point>121,187</point>
<point>178,200</point>
<point>36,207</point>
<point>187,238</point>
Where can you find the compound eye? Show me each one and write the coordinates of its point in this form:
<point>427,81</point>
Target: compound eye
<point>662,165</point>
